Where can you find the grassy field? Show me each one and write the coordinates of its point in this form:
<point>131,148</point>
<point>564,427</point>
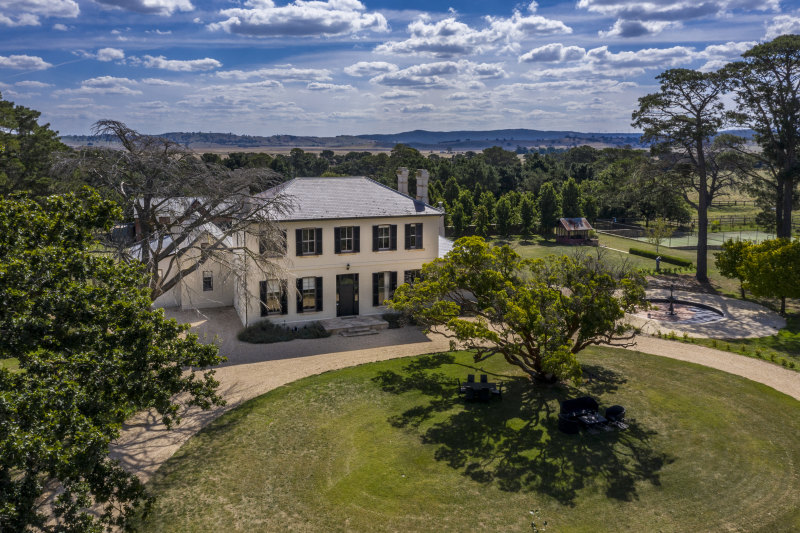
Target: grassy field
<point>390,447</point>
<point>10,364</point>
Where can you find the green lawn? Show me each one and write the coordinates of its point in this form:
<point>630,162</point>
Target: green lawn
<point>390,447</point>
<point>10,364</point>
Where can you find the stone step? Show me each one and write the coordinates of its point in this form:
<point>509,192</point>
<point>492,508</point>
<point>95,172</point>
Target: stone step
<point>356,332</point>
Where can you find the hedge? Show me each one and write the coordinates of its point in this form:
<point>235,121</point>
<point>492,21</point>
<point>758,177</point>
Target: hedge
<point>665,258</point>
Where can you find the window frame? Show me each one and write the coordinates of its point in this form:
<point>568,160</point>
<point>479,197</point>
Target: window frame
<point>388,237</point>
<point>208,281</point>
<point>344,238</point>
<point>308,245</point>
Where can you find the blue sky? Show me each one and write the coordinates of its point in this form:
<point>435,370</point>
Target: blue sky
<point>330,67</point>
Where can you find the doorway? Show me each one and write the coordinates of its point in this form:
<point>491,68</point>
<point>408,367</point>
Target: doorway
<point>347,294</point>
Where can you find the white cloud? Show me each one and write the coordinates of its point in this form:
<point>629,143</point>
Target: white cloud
<point>600,62</point>
<point>163,83</point>
<point>399,94</point>
<point>717,55</point>
<point>459,96</point>
<point>284,73</point>
<point>369,68</point>
<point>31,83</point>
<point>449,37</point>
<point>636,28</point>
<point>28,12</point>
<point>24,62</point>
<point>60,27</point>
<point>417,108</point>
<point>442,74</point>
<point>159,32</point>
<point>317,86</point>
<point>782,25</point>
<point>156,7</point>
<point>103,85</point>
<point>110,54</point>
<point>551,53</point>
<point>180,65</point>
<point>262,18</point>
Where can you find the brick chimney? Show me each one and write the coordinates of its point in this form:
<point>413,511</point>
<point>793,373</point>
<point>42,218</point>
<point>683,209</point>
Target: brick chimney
<point>402,180</point>
<point>422,185</point>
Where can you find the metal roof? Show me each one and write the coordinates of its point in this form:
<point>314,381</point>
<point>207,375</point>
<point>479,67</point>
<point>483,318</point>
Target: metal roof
<point>575,224</point>
<point>346,197</point>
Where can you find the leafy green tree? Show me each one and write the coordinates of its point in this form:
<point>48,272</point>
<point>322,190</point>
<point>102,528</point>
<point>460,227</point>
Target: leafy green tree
<point>465,199</point>
<point>590,207</point>
<point>659,231</point>
<point>537,314</point>
<point>482,221</point>
<point>549,208</point>
<point>506,216</point>
<point>680,120</point>
<point>26,149</point>
<point>766,84</point>
<point>772,270</point>
<point>458,218</point>
<point>451,190</point>
<point>527,212</point>
<point>730,260</point>
<point>488,201</point>
<point>571,199</point>
<point>91,353</point>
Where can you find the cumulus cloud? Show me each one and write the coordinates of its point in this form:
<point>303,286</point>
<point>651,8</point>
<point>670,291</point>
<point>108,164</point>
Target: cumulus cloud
<point>31,83</point>
<point>331,87</point>
<point>450,37</point>
<point>262,18</point>
<point>442,74</point>
<point>110,54</point>
<point>369,68</point>
<point>636,28</point>
<point>103,85</point>
<point>782,25</point>
<point>399,94</point>
<point>717,55</point>
<point>155,7</point>
<point>283,73</point>
<point>29,12</point>
<point>551,53</point>
<point>60,27</point>
<point>24,62</point>
<point>417,108</point>
<point>181,65</point>
<point>163,83</point>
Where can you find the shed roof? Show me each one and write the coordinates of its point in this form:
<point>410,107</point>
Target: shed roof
<point>346,197</point>
<point>575,224</point>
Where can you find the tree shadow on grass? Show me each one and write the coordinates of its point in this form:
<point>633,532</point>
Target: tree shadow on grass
<point>515,443</point>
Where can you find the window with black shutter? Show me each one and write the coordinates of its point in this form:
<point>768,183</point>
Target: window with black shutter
<point>377,288</point>
<point>413,236</point>
<point>318,241</point>
<point>345,239</point>
<point>337,245</point>
<point>208,281</point>
<point>393,237</point>
<point>268,248</point>
<point>309,294</point>
<point>318,294</point>
<point>273,297</point>
<point>356,239</point>
<point>309,241</point>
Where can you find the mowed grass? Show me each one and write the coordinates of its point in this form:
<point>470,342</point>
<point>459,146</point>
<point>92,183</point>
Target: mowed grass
<point>390,447</point>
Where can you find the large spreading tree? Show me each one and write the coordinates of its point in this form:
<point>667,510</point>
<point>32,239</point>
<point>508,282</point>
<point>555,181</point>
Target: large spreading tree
<point>681,121</point>
<point>187,211</point>
<point>91,352</point>
<point>766,85</point>
<point>537,314</point>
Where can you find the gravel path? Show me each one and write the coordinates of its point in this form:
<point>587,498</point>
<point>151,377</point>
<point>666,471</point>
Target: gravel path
<point>145,444</point>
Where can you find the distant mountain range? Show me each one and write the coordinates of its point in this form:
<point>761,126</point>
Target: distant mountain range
<point>457,141</point>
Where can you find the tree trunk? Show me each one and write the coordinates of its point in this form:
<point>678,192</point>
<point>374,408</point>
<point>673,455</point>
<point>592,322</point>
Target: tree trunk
<point>783,305</point>
<point>702,215</point>
<point>785,228</point>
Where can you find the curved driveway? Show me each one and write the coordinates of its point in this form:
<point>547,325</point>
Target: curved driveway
<point>145,444</point>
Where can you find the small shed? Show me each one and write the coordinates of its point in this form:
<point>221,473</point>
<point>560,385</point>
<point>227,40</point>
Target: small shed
<point>574,231</point>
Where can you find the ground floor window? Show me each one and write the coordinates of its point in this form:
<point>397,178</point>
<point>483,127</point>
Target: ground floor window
<point>383,286</point>
<point>410,275</point>
<point>273,297</point>
<point>208,281</point>
<point>309,294</point>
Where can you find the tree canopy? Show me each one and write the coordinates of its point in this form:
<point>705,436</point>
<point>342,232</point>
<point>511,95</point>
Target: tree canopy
<point>537,314</point>
<point>91,352</point>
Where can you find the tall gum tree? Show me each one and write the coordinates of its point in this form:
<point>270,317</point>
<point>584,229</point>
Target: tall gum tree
<point>680,120</point>
<point>766,86</point>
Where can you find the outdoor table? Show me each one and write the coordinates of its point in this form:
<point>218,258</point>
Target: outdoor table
<point>591,419</point>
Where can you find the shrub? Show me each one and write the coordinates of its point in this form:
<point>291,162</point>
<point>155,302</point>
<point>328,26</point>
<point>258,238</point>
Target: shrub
<point>266,332</point>
<point>665,258</point>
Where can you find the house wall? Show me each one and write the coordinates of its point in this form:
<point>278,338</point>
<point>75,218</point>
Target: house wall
<point>329,264</point>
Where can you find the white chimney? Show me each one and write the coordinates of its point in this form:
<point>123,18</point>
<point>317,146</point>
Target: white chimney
<point>402,180</point>
<point>422,185</point>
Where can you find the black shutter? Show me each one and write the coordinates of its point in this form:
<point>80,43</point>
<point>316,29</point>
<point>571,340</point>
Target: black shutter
<point>284,297</point>
<point>419,236</point>
<point>374,238</point>
<point>356,238</point>
<point>299,295</point>
<point>393,237</point>
<point>318,244</point>
<point>337,245</point>
<point>375,298</point>
<point>392,283</point>
<point>262,286</point>
<point>318,293</point>
<point>408,236</point>
<point>282,245</point>
<point>298,236</point>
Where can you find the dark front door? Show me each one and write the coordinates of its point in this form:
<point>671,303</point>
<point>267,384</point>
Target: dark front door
<point>346,294</point>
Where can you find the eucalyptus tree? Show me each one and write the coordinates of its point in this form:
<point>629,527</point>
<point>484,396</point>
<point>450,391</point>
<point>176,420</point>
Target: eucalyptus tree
<point>680,121</point>
<point>766,85</point>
